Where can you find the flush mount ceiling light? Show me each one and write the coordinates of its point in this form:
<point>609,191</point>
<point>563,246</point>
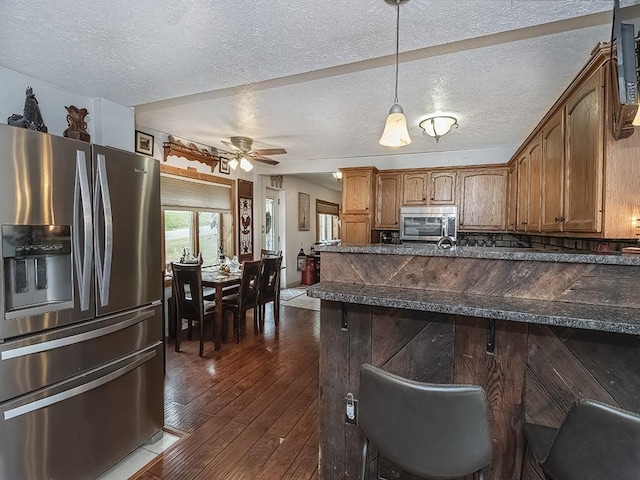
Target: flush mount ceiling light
<point>395,132</point>
<point>438,126</point>
<point>337,175</point>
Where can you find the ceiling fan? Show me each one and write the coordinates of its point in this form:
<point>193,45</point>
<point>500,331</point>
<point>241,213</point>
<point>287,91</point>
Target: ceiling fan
<point>241,150</point>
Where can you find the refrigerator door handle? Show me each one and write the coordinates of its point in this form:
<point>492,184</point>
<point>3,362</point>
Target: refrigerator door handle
<point>80,389</point>
<point>103,263</point>
<point>82,206</point>
<point>73,339</point>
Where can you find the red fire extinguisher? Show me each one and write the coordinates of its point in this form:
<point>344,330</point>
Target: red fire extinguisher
<point>309,272</point>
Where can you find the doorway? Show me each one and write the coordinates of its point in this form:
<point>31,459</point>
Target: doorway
<point>271,221</point>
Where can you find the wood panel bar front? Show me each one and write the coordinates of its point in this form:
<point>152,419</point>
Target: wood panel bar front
<point>533,372</point>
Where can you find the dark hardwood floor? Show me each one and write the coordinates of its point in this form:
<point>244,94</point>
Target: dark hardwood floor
<point>249,411</point>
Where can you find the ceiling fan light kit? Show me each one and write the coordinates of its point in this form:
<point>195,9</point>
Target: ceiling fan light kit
<point>395,132</point>
<point>245,164</point>
<point>242,153</point>
<point>438,126</point>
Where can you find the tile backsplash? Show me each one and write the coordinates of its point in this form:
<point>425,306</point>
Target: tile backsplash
<point>556,244</point>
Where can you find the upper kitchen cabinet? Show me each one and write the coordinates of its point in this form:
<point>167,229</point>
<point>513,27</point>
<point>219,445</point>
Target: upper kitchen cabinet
<point>512,203</point>
<point>483,199</point>
<point>528,184</point>
<point>584,156</point>
<point>523,193</point>
<point>358,190</point>
<point>429,188</point>
<point>388,196</point>
<point>442,189</point>
<point>553,173</point>
<point>415,188</point>
<point>589,180</point>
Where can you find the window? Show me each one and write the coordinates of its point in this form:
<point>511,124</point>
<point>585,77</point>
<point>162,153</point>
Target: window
<point>197,216</point>
<point>327,224</point>
<point>209,236</point>
<point>177,234</point>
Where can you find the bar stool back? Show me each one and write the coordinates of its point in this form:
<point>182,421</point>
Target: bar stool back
<point>595,441</point>
<point>429,430</point>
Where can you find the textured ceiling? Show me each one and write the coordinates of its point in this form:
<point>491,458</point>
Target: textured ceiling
<point>311,76</point>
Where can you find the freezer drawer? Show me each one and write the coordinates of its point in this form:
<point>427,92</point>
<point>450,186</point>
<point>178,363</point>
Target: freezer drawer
<point>40,360</point>
<point>77,429</point>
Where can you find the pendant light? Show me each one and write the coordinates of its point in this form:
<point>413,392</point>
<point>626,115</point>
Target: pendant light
<point>395,132</point>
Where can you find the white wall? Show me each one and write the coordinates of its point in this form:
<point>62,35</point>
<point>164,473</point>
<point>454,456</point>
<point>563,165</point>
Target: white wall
<point>113,124</point>
<point>108,123</point>
<point>293,238</point>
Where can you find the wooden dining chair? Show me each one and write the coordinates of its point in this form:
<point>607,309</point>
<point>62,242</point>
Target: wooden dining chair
<point>246,299</point>
<point>269,290</point>
<point>190,304</point>
<point>270,253</point>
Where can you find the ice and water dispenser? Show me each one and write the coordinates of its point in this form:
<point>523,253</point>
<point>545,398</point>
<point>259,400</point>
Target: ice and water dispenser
<point>37,269</point>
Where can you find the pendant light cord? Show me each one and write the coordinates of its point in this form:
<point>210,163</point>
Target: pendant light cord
<point>397,45</point>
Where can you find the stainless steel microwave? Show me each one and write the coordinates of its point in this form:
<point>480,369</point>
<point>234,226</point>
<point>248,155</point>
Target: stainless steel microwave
<point>428,223</point>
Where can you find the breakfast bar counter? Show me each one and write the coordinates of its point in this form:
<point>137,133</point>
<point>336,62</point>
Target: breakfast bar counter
<point>536,329</point>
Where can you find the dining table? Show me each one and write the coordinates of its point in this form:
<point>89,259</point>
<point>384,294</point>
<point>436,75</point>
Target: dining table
<point>220,282</point>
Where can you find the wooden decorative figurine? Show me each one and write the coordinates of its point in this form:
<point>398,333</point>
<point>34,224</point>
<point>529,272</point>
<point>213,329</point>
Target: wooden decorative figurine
<point>77,126</point>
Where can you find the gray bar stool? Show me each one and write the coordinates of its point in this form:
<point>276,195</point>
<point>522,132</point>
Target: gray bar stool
<point>596,441</point>
<point>430,430</point>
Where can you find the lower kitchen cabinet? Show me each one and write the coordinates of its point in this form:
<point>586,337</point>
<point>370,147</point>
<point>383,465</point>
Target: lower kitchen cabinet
<point>356,230</point>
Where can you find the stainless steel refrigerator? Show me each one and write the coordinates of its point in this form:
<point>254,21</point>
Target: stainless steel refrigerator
<point>81,365</point>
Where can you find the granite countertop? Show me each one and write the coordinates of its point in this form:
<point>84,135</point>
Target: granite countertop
<point>591,317</point>
<point>496,253</point>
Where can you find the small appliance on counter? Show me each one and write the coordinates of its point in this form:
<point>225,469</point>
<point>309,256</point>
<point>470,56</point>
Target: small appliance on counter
<point>390,237</point>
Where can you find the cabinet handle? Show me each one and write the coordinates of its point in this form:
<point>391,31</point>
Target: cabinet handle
<point>562,219</point>
<point>424,198</point>
<point>557,219</point>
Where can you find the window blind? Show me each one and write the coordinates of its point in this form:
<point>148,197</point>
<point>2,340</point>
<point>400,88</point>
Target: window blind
<point>176,192</point>
<point>327,207</point>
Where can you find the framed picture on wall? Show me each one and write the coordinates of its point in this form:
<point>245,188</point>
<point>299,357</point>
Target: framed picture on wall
<point>223,166</point>
<point>144,143</point>
<point>304,211</point>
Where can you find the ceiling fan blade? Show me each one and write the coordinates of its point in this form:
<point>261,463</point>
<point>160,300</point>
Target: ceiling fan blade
<point>269,161</point>
<point>233,147</point>
<point>270,151</point>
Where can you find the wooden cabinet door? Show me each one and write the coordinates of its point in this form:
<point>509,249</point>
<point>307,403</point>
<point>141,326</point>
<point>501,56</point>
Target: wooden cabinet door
<point>356,191</point>
<point>483,199</point>
<point>443,188</point>
<point>512,177</point>
<point>414,188</point>
<point>534,201</point>
<point>388,189</point>
<point>523,193</point>
<point>552,173</point>
<point>356,230</point>
<point>585,157</point>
